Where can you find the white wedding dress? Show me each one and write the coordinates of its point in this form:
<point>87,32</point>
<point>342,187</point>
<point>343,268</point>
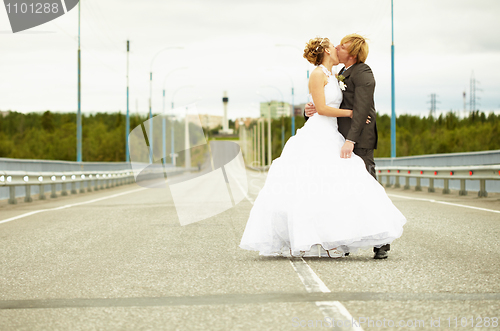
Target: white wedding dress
<point>313,200</point>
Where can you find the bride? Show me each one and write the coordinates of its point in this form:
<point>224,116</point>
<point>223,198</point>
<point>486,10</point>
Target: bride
<point>315,203</point>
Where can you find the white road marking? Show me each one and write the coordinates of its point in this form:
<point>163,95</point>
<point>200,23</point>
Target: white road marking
<point>445,203</point>
<point>308,277</point>
<point>68,206</point>
<point>333,311</point>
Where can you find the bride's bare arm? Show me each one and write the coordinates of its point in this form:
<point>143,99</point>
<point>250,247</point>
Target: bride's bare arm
<point>317,89</point>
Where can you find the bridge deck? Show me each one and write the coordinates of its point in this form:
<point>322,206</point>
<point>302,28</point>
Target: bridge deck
<point>118,259</point>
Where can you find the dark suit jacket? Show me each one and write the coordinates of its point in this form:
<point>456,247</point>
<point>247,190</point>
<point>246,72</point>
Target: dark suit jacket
<point>358,96</point>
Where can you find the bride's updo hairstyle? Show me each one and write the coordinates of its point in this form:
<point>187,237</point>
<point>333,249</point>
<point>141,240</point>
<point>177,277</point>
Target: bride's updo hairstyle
<point>315,50</point>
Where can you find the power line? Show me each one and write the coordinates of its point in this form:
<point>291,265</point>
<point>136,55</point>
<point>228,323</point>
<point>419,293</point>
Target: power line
<point>87,51</point>
<point>98,34</point>
<point>99,18</point>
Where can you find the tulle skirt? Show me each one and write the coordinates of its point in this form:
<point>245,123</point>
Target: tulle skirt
<point>313,197</point>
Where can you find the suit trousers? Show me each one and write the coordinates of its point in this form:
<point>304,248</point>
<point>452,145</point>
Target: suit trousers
<point>367,156</point>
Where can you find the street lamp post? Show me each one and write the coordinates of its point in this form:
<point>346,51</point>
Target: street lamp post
<point>293,108</point>
<point>269,140</point>
<point>263,132</point>
<point>79,113</point>
<point>282,125</point>
<point>187,151</point>
<point>293,105</point>
<point>127,120</point>
<point>393,103</point>
<point>258,142</point>
<point>164,120</point>
<point>173,154</point>
<point>151,99</point>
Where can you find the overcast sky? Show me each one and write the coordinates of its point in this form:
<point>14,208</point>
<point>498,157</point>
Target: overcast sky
<point>231,46</point>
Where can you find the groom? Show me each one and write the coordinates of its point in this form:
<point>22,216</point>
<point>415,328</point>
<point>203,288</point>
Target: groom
<point>360,132</point>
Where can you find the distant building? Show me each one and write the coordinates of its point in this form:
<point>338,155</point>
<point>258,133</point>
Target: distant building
<point>4,112</point>
<point>246,121</point>
<point>278,109</point>
<point>208,121</point>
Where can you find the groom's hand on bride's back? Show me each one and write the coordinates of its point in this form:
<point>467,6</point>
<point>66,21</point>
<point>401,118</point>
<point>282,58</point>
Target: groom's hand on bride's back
<point>310,109</point>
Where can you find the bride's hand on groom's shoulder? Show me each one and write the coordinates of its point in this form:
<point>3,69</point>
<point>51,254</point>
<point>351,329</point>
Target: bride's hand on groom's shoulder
<point>310,109</point>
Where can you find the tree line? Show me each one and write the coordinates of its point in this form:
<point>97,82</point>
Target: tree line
<point>417,135</point>
<point>52,136</point>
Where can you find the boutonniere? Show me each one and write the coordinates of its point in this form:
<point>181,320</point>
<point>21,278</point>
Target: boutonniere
<point>342,85</point>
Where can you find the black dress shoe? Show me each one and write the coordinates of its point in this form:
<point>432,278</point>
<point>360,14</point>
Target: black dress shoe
<point>380,254</point>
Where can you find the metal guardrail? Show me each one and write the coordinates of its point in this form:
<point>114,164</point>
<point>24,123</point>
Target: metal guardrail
<point>442,160</point>
<point>100,179</point>
<point>462,173</point>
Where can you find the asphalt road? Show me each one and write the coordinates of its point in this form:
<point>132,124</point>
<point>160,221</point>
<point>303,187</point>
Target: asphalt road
<point>118,259</point>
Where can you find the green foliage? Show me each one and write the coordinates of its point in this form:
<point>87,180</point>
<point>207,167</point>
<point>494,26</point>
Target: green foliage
<point>445,134</point>
<point>52,136</point>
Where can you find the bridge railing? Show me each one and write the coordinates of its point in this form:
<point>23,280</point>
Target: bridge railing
<point>87,180</point>
<point>94,180</point>
<point>461,173</point>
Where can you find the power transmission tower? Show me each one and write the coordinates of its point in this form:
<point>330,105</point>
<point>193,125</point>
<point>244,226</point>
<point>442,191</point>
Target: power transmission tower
<point>465,104</point>
<point>473,100</point>
<point>433,103</point>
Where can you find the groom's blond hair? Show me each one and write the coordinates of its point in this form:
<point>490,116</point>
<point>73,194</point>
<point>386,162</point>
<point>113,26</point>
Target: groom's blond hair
<point>358,46</point>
